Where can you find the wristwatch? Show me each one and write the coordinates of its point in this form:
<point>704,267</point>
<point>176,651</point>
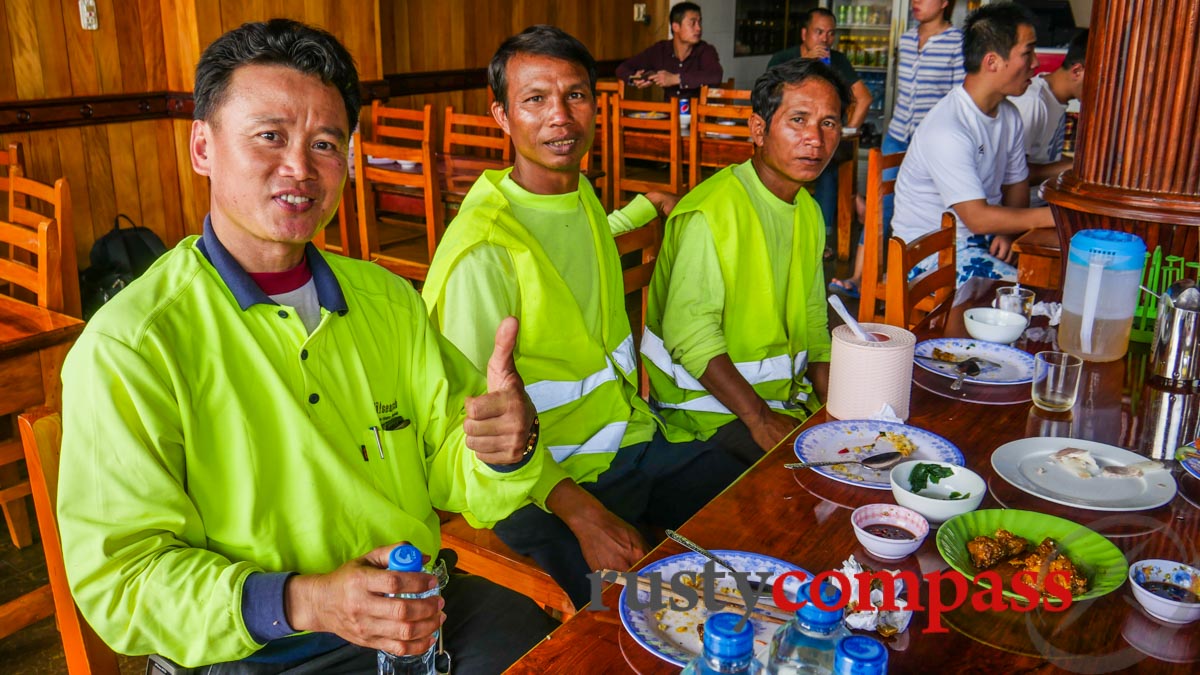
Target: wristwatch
<point>535,430</point>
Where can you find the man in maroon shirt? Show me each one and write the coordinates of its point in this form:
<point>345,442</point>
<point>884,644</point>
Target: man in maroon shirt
<point>680,65</point>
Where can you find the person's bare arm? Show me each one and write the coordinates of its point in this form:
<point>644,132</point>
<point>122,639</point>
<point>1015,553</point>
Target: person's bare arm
<point>1007,218</point>
<point>862,104</point>
<point>1040,173</point>
<point>767,427</point>
<point>607,541</point>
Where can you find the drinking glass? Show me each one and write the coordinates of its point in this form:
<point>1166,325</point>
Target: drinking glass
<point>1015,299</point>
<point>1056,380</point>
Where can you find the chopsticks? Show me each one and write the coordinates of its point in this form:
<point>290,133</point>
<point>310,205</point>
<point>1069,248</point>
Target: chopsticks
<point>761,612</point>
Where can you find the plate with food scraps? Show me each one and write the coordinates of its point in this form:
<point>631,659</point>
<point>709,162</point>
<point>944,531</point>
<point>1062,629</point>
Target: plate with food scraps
<point>1190,460</point>
<point>1004,364</point>
<point>855,439</point>
<point>649,115</point>
<point>675,636</point>
<point>1085,474</point>
<point>1016,540</point>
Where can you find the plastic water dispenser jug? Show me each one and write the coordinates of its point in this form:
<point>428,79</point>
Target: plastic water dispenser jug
<point>1100,293</point>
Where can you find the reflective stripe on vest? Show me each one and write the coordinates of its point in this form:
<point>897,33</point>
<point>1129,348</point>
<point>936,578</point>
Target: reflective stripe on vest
<point>608,439</point>
<point>755,372</point>
<point>550,394</point>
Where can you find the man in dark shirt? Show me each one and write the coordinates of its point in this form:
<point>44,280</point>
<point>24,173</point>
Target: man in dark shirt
<point>680,65</point>
<point>816,42</point>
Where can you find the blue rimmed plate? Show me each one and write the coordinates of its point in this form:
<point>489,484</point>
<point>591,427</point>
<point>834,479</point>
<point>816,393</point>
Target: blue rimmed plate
<point>674,636</point>
<point>1009,365</point>
<point>1192,464</point>
<point>849,439</point>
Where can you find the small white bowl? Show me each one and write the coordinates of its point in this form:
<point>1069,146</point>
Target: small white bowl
<point>888,514</point>
<point>934,501</point>
<point>407,165</point>
<point>1170,572</point>
<point>994,325</point>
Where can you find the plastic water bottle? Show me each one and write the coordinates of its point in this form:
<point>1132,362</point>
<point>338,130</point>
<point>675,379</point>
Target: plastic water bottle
<point>807,643</point>
<point>860,655</point>
<point>726,649</point>
<point>407,558</point>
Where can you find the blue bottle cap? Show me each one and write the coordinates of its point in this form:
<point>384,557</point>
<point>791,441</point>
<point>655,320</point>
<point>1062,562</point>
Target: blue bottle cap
<point>405,558</point>
<point>1124,251</point>
<point>815,616</point>
<point>723,640</point>
<point>860,655</point>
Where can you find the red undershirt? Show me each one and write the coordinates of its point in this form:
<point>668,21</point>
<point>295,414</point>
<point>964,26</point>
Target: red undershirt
<point>276,283</point>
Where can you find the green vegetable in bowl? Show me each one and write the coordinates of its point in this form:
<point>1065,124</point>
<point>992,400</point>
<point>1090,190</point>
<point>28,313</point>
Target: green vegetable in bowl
<point>922,474</point>
<point>958,495</point>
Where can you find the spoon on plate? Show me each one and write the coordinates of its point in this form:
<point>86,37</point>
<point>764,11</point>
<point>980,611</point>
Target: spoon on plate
<point>884,460</point>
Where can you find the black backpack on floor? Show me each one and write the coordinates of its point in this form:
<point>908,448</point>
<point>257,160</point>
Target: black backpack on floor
<point>117,259</point>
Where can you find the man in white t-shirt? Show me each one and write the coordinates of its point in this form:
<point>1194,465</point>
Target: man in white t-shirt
<point>1043,109</point>
<point>968,155</point>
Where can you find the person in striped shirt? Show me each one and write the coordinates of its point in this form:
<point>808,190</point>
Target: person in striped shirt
<point>931,64</point>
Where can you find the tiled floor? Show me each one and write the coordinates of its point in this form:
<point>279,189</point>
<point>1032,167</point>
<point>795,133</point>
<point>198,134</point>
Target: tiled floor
<point>36,649</point>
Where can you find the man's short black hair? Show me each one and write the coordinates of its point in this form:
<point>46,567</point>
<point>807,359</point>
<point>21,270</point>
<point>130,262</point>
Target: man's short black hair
<point>679,11</point>
<point>542,40</point>
<point>282,42</point>
<point>992,28</point>
<point>815,12</point>
<point>1077,50</point>
<point>768,89</point>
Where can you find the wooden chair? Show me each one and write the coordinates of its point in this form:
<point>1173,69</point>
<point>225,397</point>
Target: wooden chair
<point>644,138</point>
<point>636,279</point>
<point>601,153</point>
<point>41,278</point>
<point>344,225</point>
<point>480,551</point>
<point>394,240</point>
<point>871,286</point>
<point>13,159</point>
<point>932,287</point>
<point>475,134</point>
<point>31,202</point>
<point>41,434</point>
<point>720,133</point>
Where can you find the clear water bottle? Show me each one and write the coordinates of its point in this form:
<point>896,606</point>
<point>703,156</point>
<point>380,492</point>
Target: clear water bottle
<point>807,643</point>
<point>407,558</point>
<point>860,655</point>
<point>726,648</point>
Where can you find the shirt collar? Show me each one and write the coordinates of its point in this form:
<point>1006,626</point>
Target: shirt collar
<point>247,293</point>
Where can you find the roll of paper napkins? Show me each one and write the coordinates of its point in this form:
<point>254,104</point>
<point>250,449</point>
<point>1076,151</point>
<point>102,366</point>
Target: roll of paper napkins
<point>864,376</point>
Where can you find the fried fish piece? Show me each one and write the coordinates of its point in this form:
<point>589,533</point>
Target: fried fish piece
<point>985,552</point>
<point>1046,559</point>
<point>1012,544</point>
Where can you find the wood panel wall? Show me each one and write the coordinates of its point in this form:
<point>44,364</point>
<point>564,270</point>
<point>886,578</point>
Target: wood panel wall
<point>142,169</point>
<point>419,35</point>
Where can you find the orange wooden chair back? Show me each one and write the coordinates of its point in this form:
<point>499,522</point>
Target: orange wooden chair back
<point>720,133</point>
<point>41,434</point>
<point>31,202</point>
<point>12,158</point>
<point>600,156</point>
<point>402,136</point>
<point>933,287</point>
<point>475,134</point>
<point>647,240</point>
<point>42,278</point>
<point>634,125</point>
<point>871,286</point>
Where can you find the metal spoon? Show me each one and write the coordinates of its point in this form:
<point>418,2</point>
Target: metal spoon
<point>697,548</point>
<point>884,460</point>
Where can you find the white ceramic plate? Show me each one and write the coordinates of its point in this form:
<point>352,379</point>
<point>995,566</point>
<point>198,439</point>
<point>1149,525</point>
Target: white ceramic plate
<point>1026,464</point>
<point>646,115</point>
<point>673,636</point>
<point>1015,366</point>
<point>826,442</point>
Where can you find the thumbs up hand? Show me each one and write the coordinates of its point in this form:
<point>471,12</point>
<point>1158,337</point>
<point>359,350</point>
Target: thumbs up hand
<point>499,423</point>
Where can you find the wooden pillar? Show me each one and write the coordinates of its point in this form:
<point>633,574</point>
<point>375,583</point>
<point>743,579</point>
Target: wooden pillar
<point>1137,159</point>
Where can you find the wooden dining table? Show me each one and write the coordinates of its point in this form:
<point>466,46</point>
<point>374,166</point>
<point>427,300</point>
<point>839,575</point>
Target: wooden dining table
<point>33,343</point>
<point>803,517</point>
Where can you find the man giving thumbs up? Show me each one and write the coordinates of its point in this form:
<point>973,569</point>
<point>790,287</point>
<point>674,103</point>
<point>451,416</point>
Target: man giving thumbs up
<point>502,425</point>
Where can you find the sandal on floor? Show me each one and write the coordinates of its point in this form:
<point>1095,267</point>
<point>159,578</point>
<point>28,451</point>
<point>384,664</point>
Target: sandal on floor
<point>844,287</point>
